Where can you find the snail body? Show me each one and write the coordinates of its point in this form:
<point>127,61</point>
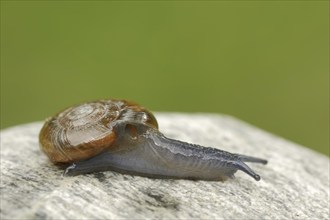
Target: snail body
<point>122,136</point>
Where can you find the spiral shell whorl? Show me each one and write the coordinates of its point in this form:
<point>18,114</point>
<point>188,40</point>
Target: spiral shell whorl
<point>82,115</point>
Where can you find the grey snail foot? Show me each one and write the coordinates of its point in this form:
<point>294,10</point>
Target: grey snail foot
<point>101,163</point>
<point>154,155</point>
<point>95,164</point>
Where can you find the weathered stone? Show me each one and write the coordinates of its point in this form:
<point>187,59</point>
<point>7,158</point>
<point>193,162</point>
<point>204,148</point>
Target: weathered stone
<point>294,184</point>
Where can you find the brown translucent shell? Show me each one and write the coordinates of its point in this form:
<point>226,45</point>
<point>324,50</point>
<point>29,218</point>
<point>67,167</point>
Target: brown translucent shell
<point>85,130</point>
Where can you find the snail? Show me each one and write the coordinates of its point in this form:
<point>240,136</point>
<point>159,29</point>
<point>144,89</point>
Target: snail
<point>123,136</point>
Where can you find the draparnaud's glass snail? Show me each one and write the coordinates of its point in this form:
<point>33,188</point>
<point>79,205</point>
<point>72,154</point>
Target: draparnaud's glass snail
<point>122,136</point>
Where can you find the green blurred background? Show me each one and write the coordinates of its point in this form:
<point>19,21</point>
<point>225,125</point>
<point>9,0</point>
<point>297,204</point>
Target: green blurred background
<point>264,62</point>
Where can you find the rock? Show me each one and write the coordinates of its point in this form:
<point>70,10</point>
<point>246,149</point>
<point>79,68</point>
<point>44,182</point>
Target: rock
<point>294,184</point>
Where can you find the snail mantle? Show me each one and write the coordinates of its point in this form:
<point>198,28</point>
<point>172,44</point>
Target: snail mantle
<point>294,183</point>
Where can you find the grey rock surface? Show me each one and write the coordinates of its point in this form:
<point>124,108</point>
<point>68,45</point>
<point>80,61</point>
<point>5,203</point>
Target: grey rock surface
<point>294,184</point>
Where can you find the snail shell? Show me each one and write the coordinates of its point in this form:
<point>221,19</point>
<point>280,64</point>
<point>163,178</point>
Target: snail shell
<point>85,130</point>
<point>123,136</point>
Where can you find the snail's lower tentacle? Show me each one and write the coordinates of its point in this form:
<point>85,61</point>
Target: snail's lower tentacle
<point>246,169</point>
